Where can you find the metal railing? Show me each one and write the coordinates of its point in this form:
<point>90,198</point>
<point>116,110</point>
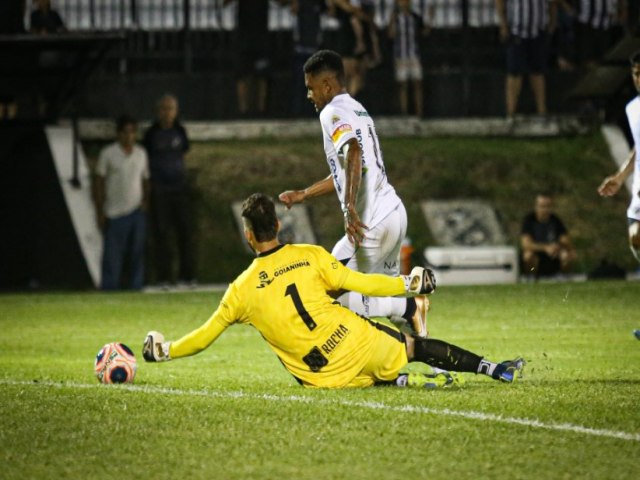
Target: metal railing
<point>101,15</point>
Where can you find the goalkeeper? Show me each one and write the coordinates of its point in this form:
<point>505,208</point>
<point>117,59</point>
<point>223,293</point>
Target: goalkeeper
<point>285,295</point>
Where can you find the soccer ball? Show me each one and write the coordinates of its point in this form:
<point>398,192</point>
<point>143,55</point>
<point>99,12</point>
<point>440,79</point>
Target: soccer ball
<point>115,363</point>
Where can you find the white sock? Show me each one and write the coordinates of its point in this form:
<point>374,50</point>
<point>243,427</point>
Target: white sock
<point>636,253</point>
<point>373,306</point>
<point>486,367</point>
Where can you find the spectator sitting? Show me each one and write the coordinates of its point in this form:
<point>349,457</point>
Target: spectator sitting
<point>45,20</point>
<point>546,246</point>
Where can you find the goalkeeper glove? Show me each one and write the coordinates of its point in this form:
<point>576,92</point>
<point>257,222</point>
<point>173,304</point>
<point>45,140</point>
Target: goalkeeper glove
<point>155,349</point>
<point>420,281</point>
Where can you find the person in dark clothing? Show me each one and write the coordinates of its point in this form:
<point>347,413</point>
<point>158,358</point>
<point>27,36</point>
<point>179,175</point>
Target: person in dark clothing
<point>251,55</point>
<point>11,23</point>
<point>45,20</point>
<point>166,143</point>
<point>546,246</point>
<point>307,38</point>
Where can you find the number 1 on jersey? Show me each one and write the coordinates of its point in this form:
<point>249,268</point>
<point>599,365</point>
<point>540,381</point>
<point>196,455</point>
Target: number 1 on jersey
<point>292,291</point>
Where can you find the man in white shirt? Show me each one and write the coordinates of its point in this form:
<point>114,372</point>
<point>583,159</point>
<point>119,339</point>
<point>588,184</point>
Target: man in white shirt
<point>121,193</point>
<point>375,219</point>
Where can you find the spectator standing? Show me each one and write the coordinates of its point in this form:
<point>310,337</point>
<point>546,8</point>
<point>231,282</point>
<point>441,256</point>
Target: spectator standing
<point>599,23</point>
<point>351,42</point>
<point>252,61</point>
<point>405,29</point>
<point>45,20</point>
<point>307,38</point>
<point>523,28</point>
<point>121,192</point>
<point>546,245</point>
<point>11,23</point>
<point>167,143</point>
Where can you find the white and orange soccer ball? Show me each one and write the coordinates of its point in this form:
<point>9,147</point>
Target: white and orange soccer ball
<point>115,363</point>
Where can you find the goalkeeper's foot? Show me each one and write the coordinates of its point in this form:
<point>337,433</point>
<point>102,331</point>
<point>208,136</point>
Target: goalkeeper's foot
<point>510,371</point>
<point>439,379</point>
<point>418,321</point>
<point>636,333</point>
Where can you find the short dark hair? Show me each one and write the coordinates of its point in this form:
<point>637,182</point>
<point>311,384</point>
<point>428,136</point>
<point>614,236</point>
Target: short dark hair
<point>260,211</point>
<point>325,61</point>
<point>124,120</point>
<point>635,58</point>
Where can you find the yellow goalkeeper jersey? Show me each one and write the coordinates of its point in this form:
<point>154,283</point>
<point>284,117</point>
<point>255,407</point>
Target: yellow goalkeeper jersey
<point>284,294</point>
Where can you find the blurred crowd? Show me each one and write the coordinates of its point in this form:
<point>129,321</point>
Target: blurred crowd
<point>537,35</point>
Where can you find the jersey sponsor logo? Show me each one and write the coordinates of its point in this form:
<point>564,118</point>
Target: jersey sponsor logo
<point>361,113</point>
<point>335,339</point>
<point>292,266</point>
<point>335,119</point>
<point>264,279</point>
<point>340,131</point>
<point>390,266</point>
<point>334,175</point>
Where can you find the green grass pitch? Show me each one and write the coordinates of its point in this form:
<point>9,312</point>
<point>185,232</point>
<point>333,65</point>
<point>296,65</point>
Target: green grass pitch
<point>233,412</point>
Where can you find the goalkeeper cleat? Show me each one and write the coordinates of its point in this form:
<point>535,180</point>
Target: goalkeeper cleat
<point>510,371</point>
<point>439,379</point>
<point>418,321</point>
<point>636,333</point>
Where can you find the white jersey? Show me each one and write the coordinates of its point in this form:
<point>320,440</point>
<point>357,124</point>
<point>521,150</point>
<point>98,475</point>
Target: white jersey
<point>633,115</point>
<point>123,174</point>
<point>343,119</point>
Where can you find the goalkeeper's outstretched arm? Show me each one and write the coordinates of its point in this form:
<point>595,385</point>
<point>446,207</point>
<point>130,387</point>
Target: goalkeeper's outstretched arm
<point>156,349</point>
<point>421,281</point>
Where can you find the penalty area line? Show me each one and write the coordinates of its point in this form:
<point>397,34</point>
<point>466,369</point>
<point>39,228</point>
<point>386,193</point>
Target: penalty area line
<point>415,409</point>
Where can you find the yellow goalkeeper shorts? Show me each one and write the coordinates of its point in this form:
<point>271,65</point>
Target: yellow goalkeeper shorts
<point>388,357</point>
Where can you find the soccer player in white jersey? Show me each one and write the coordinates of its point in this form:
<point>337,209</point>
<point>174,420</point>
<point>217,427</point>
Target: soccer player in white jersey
<point>284,294</point>
<point>375,219</point>
<point>612,184</point>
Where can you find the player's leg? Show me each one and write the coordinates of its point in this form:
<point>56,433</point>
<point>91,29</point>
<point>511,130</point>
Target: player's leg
<point>443,355</point>
<point>380,253</point>
<point>388,362</point>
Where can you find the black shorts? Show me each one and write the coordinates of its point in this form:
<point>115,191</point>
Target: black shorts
<point>547,265</point>
<point>527,55</point>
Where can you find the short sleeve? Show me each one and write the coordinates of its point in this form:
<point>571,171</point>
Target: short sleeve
<point>337,125</point>
<point>103,161</point>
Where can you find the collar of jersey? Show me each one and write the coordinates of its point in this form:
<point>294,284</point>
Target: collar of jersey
<point>269,252</point>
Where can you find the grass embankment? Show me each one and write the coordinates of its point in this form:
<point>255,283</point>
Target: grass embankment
<point>506,172</point>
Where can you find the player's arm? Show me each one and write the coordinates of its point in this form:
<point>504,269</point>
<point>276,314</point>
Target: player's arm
<point>321,187</point>
<point>612,183</point>
<point>156,349</point>
<point>353,226</point>
<point>419,281</point>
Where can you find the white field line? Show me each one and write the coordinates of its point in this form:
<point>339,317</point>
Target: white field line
<point>484,417</point>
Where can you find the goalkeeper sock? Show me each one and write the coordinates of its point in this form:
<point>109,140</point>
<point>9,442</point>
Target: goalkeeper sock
<point>487,368</point>
<point>446,356</point>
